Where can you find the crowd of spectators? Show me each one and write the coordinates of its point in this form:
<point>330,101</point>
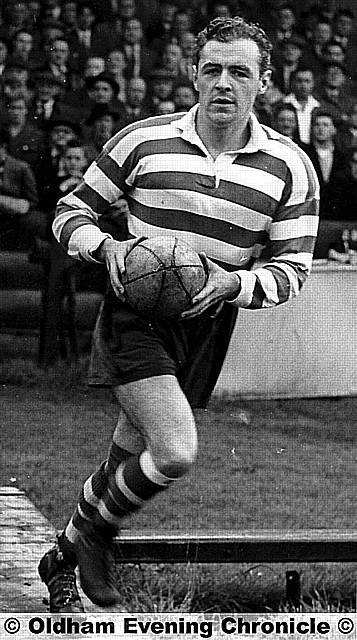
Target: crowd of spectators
<point>73,73</point>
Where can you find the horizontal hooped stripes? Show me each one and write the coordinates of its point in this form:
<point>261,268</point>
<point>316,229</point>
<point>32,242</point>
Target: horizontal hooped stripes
<point>229,207</point>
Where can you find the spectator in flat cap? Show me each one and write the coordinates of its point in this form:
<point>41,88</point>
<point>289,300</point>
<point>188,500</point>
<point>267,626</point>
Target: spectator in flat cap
<point>101,125</point>
<point>47,103</point>
<point>291,51</point>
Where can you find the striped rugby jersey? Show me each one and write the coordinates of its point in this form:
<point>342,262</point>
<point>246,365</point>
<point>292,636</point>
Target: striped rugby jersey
<point>230,207</point>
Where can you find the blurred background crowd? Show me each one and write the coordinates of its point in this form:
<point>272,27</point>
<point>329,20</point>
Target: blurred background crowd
<point>73,73</point>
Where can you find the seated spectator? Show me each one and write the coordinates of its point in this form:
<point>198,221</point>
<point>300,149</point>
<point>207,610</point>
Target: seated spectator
<point>187,42</point>
<point>47,104</point>
<point>101,127</point>
<point>184,96</point>
<point>26,142</point>
<point>347,133</point>
<point>289,59</point>
<point>333,51</point>
<point>60,134</point>
<point>335,91</point>
<point>4,50</point>
<point>161,86</point>
<point>139,58</point>
<point>75,162</point>
<point>57,62</point>
<point>23,48</point>
<point>335,230</point>
<point>303,100</point>
<point>313,53</point>
<point>284,28</point>
<point>136,106</point>
<point>103,89</point>
<point>19,219</point>
<point>160,32</point>
<point>343,25</point>
<point>164,107</point>
<point>171,59</point>
<point>285,121</point>
<point>327,158</point>
<point>115,63</point>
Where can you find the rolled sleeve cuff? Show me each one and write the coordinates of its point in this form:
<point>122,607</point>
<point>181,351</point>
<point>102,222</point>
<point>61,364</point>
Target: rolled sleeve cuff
<point>85,241</point>
<point>247,284</point>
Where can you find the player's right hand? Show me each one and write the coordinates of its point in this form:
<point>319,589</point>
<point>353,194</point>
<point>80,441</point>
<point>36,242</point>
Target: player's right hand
<point>113,254</point>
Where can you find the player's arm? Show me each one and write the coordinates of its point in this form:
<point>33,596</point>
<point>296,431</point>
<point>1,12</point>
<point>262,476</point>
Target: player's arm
<point>292,240</point>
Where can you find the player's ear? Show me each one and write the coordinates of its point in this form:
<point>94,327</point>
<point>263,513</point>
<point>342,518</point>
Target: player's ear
<point>194,78</point>
<point>264,81</point>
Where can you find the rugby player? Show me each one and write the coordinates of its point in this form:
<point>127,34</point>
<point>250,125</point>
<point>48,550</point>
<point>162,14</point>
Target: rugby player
<point>228,186</point>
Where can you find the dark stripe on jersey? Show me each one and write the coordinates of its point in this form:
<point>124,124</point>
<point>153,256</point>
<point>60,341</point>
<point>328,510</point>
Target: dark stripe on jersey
<point>113,171</point>
<point>188,221</point>
<point>312,182</point>
<point>166,146</point>
<point>258,296</point>
<point>295,245</point>
<point>264,162</point>
<point>70,226</point>
<point>287,191</point>
<point>229,191</point>
<point>91,198</point>
<point>142,124</point>
<point>281,281</point>
<point>295,211</point>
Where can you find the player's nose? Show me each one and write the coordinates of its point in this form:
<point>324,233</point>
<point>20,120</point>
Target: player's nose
<point>223,81</point>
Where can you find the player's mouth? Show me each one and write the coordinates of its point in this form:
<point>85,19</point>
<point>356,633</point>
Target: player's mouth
<point>222,101</point>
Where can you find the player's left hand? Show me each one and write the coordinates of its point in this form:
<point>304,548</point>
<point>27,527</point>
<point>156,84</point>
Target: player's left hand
<point>221,285</point>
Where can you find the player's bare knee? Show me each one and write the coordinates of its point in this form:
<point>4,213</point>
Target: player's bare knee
<point>177,459</point>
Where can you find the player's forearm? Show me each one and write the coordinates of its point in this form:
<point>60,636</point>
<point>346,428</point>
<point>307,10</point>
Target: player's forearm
<point>14,206</point>
<point>274,283</point>
<point>78,232</point>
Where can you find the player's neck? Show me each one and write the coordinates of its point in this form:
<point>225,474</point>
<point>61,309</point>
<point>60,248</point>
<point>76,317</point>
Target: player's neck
<point>221,139</point>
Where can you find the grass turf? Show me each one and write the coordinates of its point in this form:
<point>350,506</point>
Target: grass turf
<point>262,464</point>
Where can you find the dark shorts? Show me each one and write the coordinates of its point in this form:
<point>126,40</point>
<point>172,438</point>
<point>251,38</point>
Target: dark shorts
<point>127,347</point>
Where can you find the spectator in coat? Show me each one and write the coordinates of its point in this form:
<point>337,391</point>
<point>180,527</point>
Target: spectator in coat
<point>291,53</point>
<point>26,142</point>
<point>19,219</point>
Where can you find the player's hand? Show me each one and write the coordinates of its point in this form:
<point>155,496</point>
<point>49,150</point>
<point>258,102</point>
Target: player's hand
<point>221,285</point>
<point>113,254</point>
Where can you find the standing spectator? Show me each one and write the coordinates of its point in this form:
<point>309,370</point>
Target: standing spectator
<point>291,52</point>
<point>347,133</point>
<point>220,9</point>
<point>285,121</point>
<point>19,220</point>
<point>136,106</point>
<point>26,142</point>
<point>57,63</point>
<point>303,101</point>
<point>139,59</point>
<point>103,89</point>
<point>182,23</point>
<point>94,66</point>
<point>327,158</point>
<point>285,21</point>
<point>16,17</point>
<point>343,192</point>
<point>161,32</point>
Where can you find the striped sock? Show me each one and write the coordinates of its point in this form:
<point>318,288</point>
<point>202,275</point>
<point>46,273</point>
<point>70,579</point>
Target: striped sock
<point>135,481</point>
<point>93,490</point>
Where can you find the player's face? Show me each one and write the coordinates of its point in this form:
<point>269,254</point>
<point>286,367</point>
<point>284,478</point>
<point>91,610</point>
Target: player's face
<point>228,81</point>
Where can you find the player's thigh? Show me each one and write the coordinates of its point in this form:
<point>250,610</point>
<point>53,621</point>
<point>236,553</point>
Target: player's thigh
<point>159,409</point>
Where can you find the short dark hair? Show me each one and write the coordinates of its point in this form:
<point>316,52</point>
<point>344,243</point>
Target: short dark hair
<point>320,112</point>
<point>228,29</point>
